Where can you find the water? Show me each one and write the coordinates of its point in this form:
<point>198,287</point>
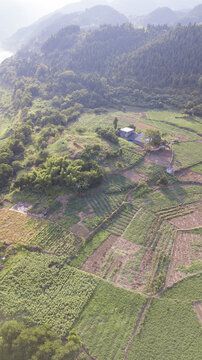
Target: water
<point>4,54</point>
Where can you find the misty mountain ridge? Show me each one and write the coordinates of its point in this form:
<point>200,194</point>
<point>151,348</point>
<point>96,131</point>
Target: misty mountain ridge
<point>49,25</point>
<point>165,15</point>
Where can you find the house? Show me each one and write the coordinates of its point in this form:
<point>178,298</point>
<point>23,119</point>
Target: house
<point>127,133</point>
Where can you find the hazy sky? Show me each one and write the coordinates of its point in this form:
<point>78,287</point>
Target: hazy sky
<point>41,7</point>
<point>15,14</point>
<point>45,6</point>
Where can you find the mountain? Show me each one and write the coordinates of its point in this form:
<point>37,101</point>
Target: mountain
<point>126,57</point>
<point>49,25</point>
<point>162,15</point>
<point>193,16</point>
<point>81,6</point>
<point>165,15</point>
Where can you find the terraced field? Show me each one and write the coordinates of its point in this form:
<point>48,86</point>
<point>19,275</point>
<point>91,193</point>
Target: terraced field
<point>118,225</point>
<point>103,204</point>
<point>140,227</point>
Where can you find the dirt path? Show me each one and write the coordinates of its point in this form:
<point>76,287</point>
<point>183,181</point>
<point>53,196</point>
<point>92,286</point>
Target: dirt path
<point>137,326</point>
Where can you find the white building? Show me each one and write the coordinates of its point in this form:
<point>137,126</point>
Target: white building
<point>127,132</point>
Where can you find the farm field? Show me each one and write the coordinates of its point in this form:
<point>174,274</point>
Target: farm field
<point>121,262</point>
<point>186,257</point>
<point>183,151</point>
<point>40,289</point>
<point>110,315</point>
<point>18,228</point>
<point>189,289</point>
<point>170,330</point>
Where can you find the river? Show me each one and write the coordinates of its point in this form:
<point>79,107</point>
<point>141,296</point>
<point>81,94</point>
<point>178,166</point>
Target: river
<point>4,54</point>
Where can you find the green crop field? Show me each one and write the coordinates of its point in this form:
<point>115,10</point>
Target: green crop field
<point>171,331</point>
<point>116,183</point>
<point>108,320</point>
<point>118,225</point>
<point>57,240</point>
<point>197,168</point>
<point>186,154</point>
<point>104,204</point>
<point>188,289</point>
<point>40,289</point>
<point>138,230</point>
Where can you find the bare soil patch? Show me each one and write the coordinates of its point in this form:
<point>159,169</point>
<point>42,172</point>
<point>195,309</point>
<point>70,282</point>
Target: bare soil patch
<point>162,157</point>
<point>186,248</point>
<point>134,176</point>
<point>94,263</point>
<point>188,175</point>
<point>198,309</point>
<point>180,137</point>
<point>143,271</point>
<point>80,230</point>
<point>143,126</point>
<point>190,221</point>
<point>110,258</point>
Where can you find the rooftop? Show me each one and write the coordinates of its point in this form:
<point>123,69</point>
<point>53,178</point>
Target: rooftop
<point>127,129</point>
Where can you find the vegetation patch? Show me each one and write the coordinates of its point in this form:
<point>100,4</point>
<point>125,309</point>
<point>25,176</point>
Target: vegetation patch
<point>170,331</point>
<point>106,323</point>
<point>41,289</point>
<point>188,289</point>
<point>88,248</point>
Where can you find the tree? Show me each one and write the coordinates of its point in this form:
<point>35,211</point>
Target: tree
<point>6,172</point>
<point>115,123</point>
<point>152,137</point>
<point>36,343</point>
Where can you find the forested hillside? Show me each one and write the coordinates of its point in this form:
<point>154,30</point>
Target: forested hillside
<point>113,64</point>
<point>42,29</point>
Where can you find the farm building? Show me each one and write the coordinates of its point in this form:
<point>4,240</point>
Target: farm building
<point>127,133</point>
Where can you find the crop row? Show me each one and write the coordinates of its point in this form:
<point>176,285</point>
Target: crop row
<point>41,289</point>
<point>140,228</point>
<point>174,212</point>
<point>55,239</point>
<point>104,205</point>
<point>121,221</point>
<point>161,246</point>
